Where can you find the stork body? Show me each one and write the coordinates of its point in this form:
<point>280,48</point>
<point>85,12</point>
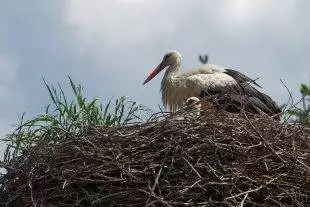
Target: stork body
<point>177,88</point>
<point>205,80</point>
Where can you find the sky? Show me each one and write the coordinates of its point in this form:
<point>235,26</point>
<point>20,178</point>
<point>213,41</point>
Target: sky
<point>110,46</point>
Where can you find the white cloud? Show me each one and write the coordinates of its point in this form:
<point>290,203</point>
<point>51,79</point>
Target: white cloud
<point>244,11</point>
<point>119,22</point>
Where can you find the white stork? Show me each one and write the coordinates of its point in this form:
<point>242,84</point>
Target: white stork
<point>206,81</point>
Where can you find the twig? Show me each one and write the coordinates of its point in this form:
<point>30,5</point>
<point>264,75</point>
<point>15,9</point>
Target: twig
<point>156,179</point>
<point>289,92</point>
<point>246,192</point>
<point>4,165</point>
<point>306,166</point>
<point>31,189</point>
<point>242,202</point>
<point>158,198</point>
<point>192,167</point>
<point>265,141</point>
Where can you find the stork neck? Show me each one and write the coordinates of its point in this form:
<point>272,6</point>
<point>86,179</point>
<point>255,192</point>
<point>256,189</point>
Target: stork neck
<point>171,71</point>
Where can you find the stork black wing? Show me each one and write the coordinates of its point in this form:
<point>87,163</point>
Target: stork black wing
<point>235,103</point>
<point>252,92</point>
<point>242,96</point>
<point>239,77</point>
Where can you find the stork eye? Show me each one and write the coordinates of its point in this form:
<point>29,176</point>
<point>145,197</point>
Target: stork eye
<point>166,57</point>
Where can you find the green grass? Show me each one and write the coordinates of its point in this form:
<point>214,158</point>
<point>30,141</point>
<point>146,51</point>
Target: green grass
<point>301,113</point>
<point>63,118</point>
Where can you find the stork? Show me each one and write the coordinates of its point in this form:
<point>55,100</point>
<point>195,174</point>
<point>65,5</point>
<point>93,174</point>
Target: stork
<point>205,81</point>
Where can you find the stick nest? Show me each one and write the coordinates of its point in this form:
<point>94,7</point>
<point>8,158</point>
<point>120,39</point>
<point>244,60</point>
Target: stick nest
<point>176,159</point>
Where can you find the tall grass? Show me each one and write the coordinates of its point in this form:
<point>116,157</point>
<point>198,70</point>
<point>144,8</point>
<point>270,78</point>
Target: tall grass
<point>63,118</point>
<point>301,112</point>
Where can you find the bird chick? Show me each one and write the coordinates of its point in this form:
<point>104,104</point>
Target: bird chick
<point>193,106</point>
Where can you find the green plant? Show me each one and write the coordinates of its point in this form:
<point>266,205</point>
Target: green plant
<point>70,119</point>
<point>302,114</point>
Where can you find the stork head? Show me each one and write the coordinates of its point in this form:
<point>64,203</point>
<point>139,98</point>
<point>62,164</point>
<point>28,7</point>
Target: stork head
<point>172,58</point>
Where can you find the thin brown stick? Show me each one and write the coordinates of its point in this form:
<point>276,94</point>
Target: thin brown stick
<point>192,167</point>
<point>243,200</point>
<point>265,141</point>
<point>243,193</point>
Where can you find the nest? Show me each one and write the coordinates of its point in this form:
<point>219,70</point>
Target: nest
<point>222,159</point>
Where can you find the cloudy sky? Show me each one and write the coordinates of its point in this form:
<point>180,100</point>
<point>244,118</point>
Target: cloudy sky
<point>110,46</point>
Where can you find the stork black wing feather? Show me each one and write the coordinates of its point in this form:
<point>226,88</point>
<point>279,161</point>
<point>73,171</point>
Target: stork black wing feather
<point>239,77</point>
<point>241,96</point>
<point>235,103</point>
<point>254,93</point>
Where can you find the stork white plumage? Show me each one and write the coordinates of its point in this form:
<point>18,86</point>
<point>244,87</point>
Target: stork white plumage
<point>211,79</point>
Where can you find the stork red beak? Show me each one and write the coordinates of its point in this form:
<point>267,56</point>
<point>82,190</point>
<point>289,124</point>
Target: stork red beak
<point>159,68</point>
